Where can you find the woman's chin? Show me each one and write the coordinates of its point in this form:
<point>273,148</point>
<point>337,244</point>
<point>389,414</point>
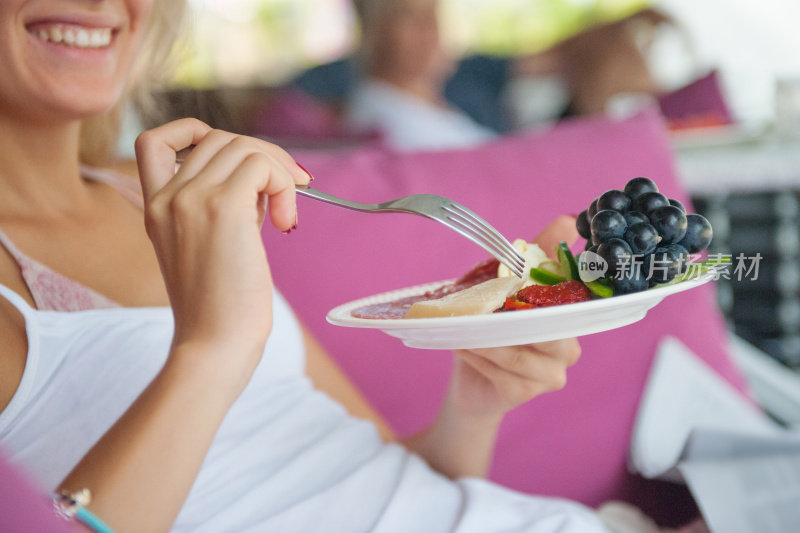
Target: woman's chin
<point>66,106</point>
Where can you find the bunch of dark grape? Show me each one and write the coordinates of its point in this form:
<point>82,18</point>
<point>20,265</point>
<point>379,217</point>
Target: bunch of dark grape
<point>644,237</point>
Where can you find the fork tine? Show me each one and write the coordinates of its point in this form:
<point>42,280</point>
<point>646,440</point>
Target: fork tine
<point>480,225</point>
<point>473,226</point>
<point>510,260</point>
<point>512,255</point>
<point>484,227</point>
<point>468,214</point>
<point>505,258</point>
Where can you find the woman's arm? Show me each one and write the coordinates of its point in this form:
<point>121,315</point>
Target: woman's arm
<point>141,471</point>
<point>205,223</point>
<point>486,384</point>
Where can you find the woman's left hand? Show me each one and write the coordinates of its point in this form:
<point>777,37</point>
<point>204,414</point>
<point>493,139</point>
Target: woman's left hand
<point>489,382</point>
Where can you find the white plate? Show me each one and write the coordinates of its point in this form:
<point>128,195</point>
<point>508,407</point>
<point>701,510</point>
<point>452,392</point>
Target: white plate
<point>509,328</point>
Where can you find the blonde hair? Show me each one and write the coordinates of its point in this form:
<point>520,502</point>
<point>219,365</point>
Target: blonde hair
<point>150,70</point>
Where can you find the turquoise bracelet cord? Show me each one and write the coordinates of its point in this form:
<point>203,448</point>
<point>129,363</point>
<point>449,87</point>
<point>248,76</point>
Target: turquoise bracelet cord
<point>86,516</point>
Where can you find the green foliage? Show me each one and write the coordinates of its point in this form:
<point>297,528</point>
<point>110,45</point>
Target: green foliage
<point>512,27</point>
<point>266,41</point>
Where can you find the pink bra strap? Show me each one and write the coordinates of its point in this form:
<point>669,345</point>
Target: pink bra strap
<point>9,245</point>
<point>127,187</point>
<point>52,291</point>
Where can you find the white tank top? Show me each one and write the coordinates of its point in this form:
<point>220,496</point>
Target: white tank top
<point>287,458</point>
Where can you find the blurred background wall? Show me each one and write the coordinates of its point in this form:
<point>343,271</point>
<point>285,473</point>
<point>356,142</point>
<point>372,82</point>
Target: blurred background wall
<point>268,42</point>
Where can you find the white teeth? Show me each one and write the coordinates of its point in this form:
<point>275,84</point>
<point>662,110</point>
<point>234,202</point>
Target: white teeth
<point>75,37</point>
<point>83,38</point>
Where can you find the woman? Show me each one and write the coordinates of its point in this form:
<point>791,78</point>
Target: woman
<point>405,68</point>
<point>176,390</point>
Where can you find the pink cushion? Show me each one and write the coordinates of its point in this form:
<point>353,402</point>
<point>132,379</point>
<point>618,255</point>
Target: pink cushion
<point>571,443</point>
<point>291,118</point>
<point>700,103</point>
<point>23,507</point>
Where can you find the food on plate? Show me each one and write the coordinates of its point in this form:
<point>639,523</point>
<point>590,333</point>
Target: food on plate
<point>565,292</point>
<point>395,309</point>
<point>637,239</point>
<point>479,299</point>
<point>644,242</point>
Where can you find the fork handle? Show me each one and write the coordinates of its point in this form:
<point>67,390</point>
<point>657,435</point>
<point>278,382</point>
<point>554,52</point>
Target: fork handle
<point>305,190</point>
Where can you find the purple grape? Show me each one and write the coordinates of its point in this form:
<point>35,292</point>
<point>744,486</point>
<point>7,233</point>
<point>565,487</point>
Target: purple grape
<point>698,234</point>
<point>634,217</point>
<point>681,253</point>
<point>676,203</point>
<point>592,210</point>
<point>638,186</point>
<point>649,201</point>
<point>617,254</point>
<point>669,222</point>
<point>633,280</point>
<point>607,224</point>
<point>662,265</point>
<point>614,200</point>
<point>642,238</point>
<point>582,224</point>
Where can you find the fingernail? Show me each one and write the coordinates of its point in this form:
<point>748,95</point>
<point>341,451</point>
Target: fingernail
<point>294,226</point>
<point>310,177</point>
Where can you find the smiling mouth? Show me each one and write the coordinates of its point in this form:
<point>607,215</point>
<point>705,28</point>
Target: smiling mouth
<point>73,35</point>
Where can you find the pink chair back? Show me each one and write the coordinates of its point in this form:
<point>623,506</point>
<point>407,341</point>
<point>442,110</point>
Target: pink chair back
<point>572,443</point>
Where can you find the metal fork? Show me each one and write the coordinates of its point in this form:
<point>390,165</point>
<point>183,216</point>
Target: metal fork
<point>453,215</point>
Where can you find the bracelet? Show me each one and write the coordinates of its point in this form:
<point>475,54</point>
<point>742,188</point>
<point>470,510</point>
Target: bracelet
<point>69,505</point>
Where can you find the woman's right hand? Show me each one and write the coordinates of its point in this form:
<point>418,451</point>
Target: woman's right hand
<point>205,224</point>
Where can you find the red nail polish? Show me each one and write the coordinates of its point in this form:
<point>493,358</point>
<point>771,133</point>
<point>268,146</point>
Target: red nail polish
<point>311,178</point>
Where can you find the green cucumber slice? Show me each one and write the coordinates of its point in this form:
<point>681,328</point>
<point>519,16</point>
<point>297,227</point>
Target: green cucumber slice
<point>540,275</point>
<point>599,289</point>
<point>567,261</point>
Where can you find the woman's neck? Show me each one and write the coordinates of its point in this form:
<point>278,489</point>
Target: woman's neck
<point>39,168</point>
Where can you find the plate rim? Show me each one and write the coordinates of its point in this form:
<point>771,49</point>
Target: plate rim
<point>336,315</point>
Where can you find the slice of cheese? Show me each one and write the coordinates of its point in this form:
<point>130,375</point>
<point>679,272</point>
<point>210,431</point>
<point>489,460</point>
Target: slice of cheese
<point>534,256</point>
<point>483,298</point>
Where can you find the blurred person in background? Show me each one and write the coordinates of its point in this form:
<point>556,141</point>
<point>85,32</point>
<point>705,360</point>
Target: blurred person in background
<point>410,89</point>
